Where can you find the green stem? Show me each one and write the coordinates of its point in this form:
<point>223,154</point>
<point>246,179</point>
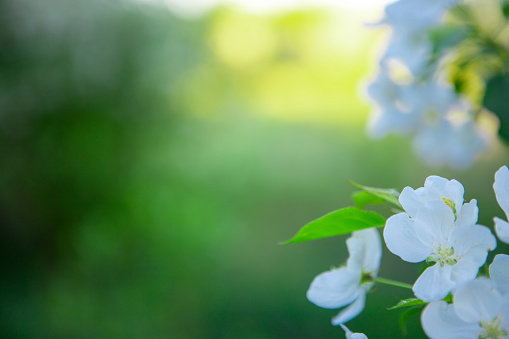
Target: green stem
<point>392,282</point>
<point>486,269</point>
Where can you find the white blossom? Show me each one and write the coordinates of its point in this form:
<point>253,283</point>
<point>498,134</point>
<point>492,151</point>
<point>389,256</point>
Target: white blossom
<point>501,188</point>
<point>348,285</point>
<point>479,311</point>
<point>434,235</point>
<point>446,143</point>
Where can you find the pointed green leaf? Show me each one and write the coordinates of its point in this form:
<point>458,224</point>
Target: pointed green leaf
<point>403,318</point>
<point>363,198</point>
<point>407,303</point>
<point>343,221</point>
<point>390,195</point>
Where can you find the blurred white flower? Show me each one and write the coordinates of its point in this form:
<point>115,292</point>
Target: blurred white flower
<point>348,285</point>
<point>388,117</point>
<point>501,188</point>
<point>444,143</point>
<point>350,335</point>
<point>479,311</point>
<point>458,249</point>
<point>413,50</point>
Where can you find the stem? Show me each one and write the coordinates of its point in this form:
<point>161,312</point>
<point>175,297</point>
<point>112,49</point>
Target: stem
<point>392,282</point>
<point>486,269</point>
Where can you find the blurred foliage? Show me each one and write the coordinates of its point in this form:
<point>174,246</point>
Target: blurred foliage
<point>150,165</point>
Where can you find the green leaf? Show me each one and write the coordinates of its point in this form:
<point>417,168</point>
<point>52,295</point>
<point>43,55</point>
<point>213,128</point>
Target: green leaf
<point>495,99</point>
<point>407,303</point>
<point>390,195</point>
<point>363,198</point>
<point>339,222</point>
<point>403,318</point>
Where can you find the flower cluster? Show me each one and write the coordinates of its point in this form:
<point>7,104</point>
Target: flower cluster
<point>438,227</point>
<point>411,93</point>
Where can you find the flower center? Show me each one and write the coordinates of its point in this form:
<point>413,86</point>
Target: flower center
<point>452,205</point>
<point>367,278</point>
<point>443,256</point>
<point>492,330</point>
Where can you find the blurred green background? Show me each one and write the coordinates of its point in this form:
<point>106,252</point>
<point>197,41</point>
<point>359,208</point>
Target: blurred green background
<point>150,165</point>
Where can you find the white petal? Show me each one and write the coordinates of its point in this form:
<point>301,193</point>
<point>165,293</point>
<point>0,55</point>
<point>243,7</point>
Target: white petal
<point>371,249</point>
<point>499,272</point>
<point>467,237</point>
<point>501,187</point>
<point>454,190</point>
<point>467,268</point>
<point>502,229</point>
<point>469,214</point>
<point>477,300</point>
<point>351,311</point>
<point>410,201</point>
<point>434,283</point>
<point>434,222</point>
<point>335,289</point>
<point>436,186</point>
<point>401,239</point>
<point>440,321</point>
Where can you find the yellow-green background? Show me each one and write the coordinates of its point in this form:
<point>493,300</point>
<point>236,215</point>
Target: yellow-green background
<point>149,166</point>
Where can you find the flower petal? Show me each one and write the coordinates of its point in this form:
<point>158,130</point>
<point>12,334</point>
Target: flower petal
<point>468,266</point>
<point>370,245</point>
<point>410,201</point>
<point>499,272</point>
<point>434,283</point>
<point>434,222</point>
<point>469,237</point>
<point>336,288</point>
<point>477,300</point>
<point>440,321</point>
<point>501,188</point>
<point>351,311</point>
<point>502,229</point>
<point>401,239</point>
<point>469,214</point>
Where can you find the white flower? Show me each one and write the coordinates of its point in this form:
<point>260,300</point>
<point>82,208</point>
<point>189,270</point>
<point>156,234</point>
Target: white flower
<point>501,187</point>
<point>479,311</point>
<point>458,248</point>
<point>499,272</point>
<point>412,49</point>
<point>350,335</point>
<point>446,143</point>
<point>388,117</point>
<point>437,188</point>
<point>348,285</point>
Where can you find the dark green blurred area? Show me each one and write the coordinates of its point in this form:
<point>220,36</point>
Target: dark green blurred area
<point>145,188</point>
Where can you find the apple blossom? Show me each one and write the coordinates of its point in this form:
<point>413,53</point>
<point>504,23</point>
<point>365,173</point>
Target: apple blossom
<point>348,285</point>
<point>479,311</point>
<point>458,249</point>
